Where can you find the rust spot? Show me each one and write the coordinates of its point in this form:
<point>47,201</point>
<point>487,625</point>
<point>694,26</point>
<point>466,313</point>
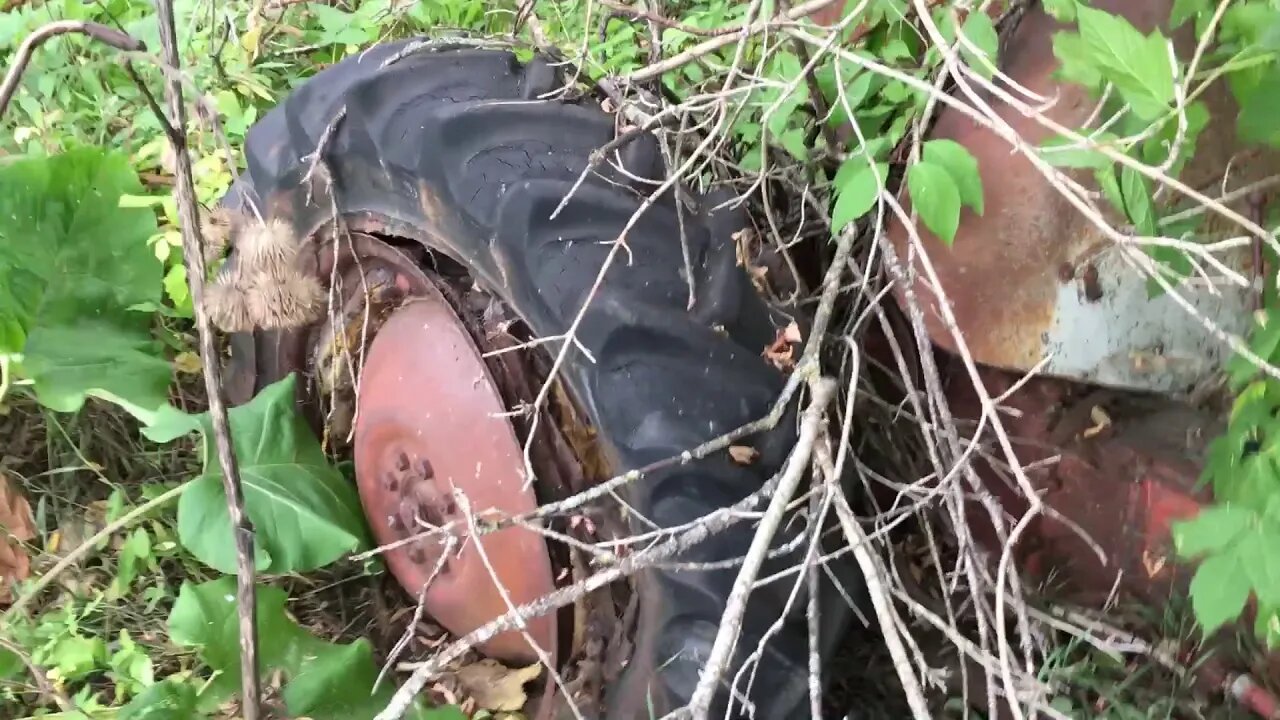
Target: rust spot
<point>1066,272</point>
<point>1092,285</point>
<point>1005,268</point>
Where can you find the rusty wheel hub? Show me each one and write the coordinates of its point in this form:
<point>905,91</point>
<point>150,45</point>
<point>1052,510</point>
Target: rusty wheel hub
<point>432,440</point>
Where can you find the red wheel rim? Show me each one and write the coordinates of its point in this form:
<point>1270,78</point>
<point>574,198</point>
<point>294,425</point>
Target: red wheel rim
<point>430,421</point>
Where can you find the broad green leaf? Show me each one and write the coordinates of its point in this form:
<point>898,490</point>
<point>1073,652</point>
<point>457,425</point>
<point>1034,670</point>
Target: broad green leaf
<point>304,512</point>
<point>1219,591</point>
<point>1075,63</point>
<point>1257,552</point>
<point>115,360</point>
<point>326,680</point>
<point>1138,65</point>
<point>856,190</point>
<point>1137,201</point>
<point>1212,530</point>
<point>980,31</point>
<point>167,700</point>
<point>335,682</point>
<point>961,166</point>
<point>204,617</point>
<point>1249,23</point>
<point>934,195</point>
<point>1106,177</point>
<point>1184,10</point>
<point>1259,107</point>
<point>10,665</point>
<point>72,261</point>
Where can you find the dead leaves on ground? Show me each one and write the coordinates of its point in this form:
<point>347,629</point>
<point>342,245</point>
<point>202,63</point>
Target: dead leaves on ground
<point>17,525</point>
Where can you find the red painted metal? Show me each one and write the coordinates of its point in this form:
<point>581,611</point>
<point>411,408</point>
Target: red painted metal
<point>430,427</point>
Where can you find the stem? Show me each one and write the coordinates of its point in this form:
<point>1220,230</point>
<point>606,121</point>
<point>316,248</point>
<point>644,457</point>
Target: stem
<point>193,257</point>
<point>101,33</point>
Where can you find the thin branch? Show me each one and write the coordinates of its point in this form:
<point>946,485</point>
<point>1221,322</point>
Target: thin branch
<point>101,33</point>
<point>736,605</point>
<point>193,257</point>
<point>715,523</point>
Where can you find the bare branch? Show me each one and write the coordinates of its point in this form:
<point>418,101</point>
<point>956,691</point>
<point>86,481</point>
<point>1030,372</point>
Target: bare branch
<point>101,33</point>
<point>193,258</point>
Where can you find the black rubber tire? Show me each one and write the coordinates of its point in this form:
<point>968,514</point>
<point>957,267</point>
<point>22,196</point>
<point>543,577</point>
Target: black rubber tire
<point>451,147</point>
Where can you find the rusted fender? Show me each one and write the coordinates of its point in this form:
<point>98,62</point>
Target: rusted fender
<point>1033,277</point>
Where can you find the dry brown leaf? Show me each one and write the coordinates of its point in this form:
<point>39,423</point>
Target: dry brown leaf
<point>495,686</point>
<point>743,454</point>
<point>780,352</point>
<point>17,526</point>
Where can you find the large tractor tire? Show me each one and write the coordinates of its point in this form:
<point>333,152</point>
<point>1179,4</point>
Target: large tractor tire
<point>454,148</point>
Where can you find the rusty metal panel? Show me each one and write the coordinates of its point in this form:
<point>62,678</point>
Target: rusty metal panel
<point>1033,277</point>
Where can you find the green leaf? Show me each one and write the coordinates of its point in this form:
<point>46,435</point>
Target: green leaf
<point>135,552</point>
<point>1137,201</point>
<point>71,262</point>
<point>1184,10</point>
<point>1075,63</point>
<point>168,700</point>
<point>1257,553</point>
<point>961,166</point>
<point>326,680</point>
<point>335,682</point>
<point>305,513</point>
<point>204,617</point>
<point>1259,107</point>
<point>1106,177</point>
<point>10,664</point>
<point>74,656</point>
<point>1219,591</point>
<point>1137,65</point>
<point>935,196</point>
<point>341,28</point>
<point>980,31</point>
<point>856,190</point>
<point>1212,530</point>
